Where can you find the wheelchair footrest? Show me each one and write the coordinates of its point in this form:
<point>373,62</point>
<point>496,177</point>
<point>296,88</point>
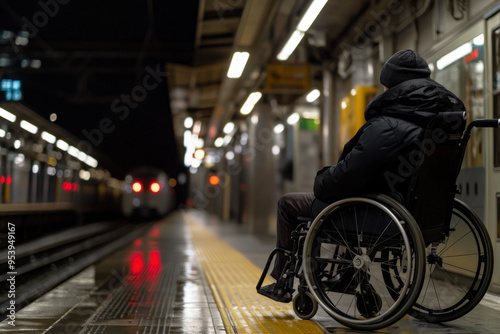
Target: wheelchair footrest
<point>276,293</point>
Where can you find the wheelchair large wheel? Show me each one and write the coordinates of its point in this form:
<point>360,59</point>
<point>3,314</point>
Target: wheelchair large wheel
<point>351,249</point>
<point>459,269</point>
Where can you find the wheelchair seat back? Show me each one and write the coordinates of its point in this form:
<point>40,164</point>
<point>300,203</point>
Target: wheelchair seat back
<point>433,185</point>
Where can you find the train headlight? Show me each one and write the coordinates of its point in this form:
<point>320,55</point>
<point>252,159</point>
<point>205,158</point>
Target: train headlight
<point>137,187</point>
<point>155,187</point>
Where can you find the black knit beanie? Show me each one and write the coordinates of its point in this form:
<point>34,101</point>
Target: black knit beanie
<point>403,65</point>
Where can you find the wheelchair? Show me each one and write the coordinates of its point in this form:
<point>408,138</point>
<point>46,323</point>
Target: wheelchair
<point>370,260</point>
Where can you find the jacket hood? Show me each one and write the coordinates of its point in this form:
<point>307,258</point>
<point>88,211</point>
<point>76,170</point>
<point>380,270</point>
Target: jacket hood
<point>416,100</point>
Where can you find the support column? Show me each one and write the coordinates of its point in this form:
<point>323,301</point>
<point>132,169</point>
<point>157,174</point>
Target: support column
<point>329,121</point>
<point>260,200</point>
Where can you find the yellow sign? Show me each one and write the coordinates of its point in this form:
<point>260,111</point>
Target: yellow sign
<point>352,112</point>
<point>288,78</point>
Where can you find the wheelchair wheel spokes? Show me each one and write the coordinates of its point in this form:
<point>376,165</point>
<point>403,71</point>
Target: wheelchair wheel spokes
<point>349,254</point>
<point>458,270</point>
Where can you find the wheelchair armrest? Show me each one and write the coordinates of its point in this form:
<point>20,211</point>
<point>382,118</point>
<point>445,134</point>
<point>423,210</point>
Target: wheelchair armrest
<point>304,219</point>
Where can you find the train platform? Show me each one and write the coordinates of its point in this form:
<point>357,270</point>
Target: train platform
<point>192,273</point>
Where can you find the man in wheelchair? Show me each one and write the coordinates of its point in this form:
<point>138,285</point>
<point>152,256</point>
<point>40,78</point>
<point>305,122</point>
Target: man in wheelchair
<point>395,120</point>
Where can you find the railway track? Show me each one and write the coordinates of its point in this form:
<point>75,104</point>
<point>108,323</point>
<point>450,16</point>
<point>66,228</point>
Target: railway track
<point>34,268</point>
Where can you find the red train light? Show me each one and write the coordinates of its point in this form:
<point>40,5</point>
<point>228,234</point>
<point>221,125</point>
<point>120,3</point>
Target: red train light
<point>213,180</point>
<point>155,187</point>
<point>137,187</point>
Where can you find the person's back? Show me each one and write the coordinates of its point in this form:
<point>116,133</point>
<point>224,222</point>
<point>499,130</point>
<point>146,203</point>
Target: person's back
<point>376,158</point>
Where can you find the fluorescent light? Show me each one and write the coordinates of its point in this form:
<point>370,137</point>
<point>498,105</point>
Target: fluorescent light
<point>304,24</point>
<point>279,128</point>
<point>48,137</point>
<point>73,151</point>
<point>313,95</point>
<point>82,156</point>
<point>238,63</point>
<point>28,127</point>
<point>290,45</point>
<point>293,118</point>
<point>311,14</point>
<point>454,55</point>
<point>219,142</point>
<point>7,115</point>
<point>188,122</point>
<point>250,103</point>
<point>478,40</point>
<point>228,128</point>
<point>187,138</point>
<point>276,150</point>
<point>84,175</point>
<point>91,161</point>
<point>61,144</point>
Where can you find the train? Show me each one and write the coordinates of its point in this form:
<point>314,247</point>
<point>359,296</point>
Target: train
<point>147,193</point>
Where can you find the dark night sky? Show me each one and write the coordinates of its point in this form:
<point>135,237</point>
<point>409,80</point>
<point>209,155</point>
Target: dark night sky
<point>103,71</point>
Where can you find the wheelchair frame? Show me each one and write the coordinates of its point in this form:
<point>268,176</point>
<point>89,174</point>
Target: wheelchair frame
<point>368,276</point>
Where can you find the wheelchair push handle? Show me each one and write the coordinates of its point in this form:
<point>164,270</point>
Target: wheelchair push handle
<point>487,123</point>
<point>484,123</point>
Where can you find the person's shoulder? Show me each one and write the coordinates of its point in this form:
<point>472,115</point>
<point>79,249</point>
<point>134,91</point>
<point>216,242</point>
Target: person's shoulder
<point>383,121</point>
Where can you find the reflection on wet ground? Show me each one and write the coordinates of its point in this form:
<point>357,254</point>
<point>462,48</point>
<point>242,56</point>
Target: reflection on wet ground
<point>157,285</point>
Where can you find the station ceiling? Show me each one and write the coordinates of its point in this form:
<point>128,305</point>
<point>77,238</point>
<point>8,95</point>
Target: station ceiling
<point>101,66</point>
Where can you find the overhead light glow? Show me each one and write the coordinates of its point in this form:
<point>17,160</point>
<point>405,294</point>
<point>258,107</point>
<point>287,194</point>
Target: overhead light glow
<point>311,14</point>
<point>291,45</point>
<point>313,95</point>
<point>293,118</point>
<point>7,115</point>
<point>91,161</point>
<point>237,65</point>
<point>188,122</point>
<point>61,144</point>
<point>228,128</point>
<point>478,40</point>
<point>17,144</point>
<point>276,150</point>
<point>73,151</point>
<point>82,156</point>
<point>28,127</point>
<point>50,138</point>
<point>219,142</point>
<point>304,24</point>
<point>454,55</point>
<point>199,154</point>
<point>250,103</point>
<point>279,128</point>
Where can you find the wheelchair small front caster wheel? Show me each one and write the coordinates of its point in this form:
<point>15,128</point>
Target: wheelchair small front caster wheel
<point>305,306</point>
<point>369,302</point>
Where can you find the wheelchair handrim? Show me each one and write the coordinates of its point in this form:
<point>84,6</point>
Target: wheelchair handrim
<point>371,322</point>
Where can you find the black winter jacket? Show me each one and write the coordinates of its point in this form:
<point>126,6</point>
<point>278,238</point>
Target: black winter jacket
<point>394,121</point>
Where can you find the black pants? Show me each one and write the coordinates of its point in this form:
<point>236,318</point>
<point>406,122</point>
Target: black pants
<point>290,206</point>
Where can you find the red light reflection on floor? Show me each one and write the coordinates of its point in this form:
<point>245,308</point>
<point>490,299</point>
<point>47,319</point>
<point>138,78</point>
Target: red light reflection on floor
<point>136,262</point>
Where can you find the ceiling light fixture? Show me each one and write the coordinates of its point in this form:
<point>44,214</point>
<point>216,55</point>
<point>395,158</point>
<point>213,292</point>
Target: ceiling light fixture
<point>250,103</point>
<point>28,127</point>
<point>313,95</point>
<point>237,65</point>
<point>304,24</point>
<point>454,55</point>
<point>7,115</point>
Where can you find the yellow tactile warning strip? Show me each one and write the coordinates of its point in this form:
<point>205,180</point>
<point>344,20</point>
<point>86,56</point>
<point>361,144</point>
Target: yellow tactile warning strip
<point>232,278</point>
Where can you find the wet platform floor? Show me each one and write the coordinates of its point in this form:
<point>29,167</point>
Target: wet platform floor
<point>192,273</point>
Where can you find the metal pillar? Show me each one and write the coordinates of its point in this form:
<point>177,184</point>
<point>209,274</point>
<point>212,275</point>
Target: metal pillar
<point>329,121</point>
<point>260,199</point>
